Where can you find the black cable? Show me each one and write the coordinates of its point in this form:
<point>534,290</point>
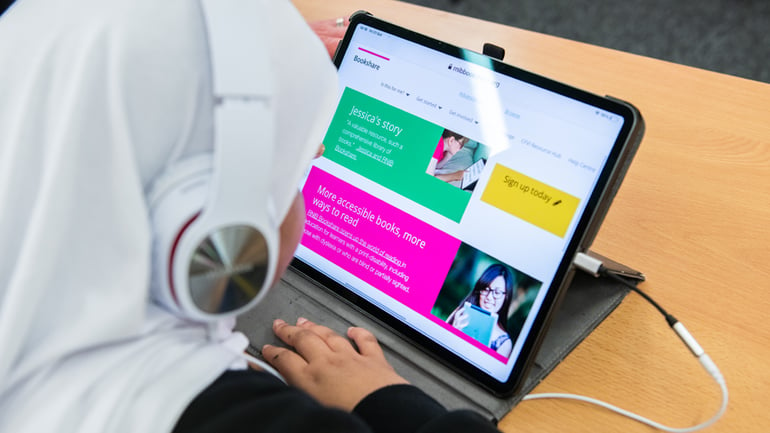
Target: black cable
<point>608,273</point>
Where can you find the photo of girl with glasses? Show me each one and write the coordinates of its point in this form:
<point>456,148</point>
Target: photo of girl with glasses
<point>492,292</point>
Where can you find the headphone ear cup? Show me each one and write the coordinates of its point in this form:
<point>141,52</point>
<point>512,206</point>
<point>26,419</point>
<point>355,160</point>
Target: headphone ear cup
<point>176,199</point>
<point>229,270</point>
<point>203,271</point>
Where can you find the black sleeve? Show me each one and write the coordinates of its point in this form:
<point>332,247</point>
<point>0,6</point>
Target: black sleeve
<point>257,402</point>
<point>405,408</point>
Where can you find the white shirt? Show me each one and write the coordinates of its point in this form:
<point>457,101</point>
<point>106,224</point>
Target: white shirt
<point>96,98</point>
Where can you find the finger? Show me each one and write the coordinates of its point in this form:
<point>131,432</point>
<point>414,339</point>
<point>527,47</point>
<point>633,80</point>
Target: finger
<point>333,340</point>
<point>366,341</point>
<point>331,27</point>
<point>307,343</point>
<point>330,43</point>
<point>288,363</point>
<point>461,320</point>
<point>320,150</point>
<point>331,32</point>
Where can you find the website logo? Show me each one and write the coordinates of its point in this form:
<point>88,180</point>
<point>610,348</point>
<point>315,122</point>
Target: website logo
<point>366,62</point>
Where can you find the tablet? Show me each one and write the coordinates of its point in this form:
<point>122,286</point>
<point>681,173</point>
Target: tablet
<point>479,324</point>
<point>449,177</point>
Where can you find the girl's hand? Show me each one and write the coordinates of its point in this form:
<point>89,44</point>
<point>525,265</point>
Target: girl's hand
<point>327,366</point>
<point>330,32</point>
<point>461,319</point>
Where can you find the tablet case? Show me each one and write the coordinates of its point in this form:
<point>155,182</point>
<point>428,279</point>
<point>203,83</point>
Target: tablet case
<point>587,302</point>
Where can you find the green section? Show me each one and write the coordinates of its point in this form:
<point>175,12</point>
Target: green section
<point>393,148</point>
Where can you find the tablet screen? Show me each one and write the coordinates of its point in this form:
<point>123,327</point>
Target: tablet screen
<point>454,189</point>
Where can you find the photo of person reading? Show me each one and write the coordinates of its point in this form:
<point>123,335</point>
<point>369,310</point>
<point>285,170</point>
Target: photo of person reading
<point>450,160</point>
<point>493,293</point>
<point>485,299</point>
<point>457,160</point>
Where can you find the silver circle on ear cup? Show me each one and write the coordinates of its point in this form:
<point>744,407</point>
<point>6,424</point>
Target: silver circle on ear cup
<point>228,269</point>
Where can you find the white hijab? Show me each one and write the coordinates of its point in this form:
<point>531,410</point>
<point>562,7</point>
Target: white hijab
<point>96,98</point>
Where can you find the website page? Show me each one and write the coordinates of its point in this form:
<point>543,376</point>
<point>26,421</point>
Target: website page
<point>447,193</point>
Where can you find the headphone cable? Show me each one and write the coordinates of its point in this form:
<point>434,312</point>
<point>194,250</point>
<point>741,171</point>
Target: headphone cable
<point>594,267</point>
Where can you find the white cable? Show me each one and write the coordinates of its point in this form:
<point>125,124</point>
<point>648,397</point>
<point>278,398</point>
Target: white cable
<point>221,331</point>
<point>263,365</point>
<point>640,418</point>
<point>594,267</point>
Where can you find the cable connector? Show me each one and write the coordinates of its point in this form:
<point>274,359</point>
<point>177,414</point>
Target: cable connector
<point>588,264</point>
<point>688,339</point>
<point>596,267</point>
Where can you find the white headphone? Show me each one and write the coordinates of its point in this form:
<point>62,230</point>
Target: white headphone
<point>215,234</point>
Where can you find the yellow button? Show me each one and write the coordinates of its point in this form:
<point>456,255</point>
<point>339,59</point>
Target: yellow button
<point>531,200</point>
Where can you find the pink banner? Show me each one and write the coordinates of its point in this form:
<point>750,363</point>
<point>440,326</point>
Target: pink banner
<point>486,349</point>
<point>393,251</point>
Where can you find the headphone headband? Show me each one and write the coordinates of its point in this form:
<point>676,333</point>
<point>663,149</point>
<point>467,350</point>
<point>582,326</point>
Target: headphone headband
<point>222,260</point>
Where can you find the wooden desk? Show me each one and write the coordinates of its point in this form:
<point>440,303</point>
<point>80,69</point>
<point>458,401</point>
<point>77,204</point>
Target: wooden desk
<point>693,214</point>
